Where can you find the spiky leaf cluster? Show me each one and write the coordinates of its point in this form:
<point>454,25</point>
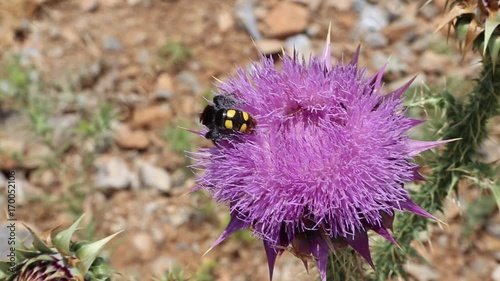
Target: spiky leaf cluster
<point>476,24</point>
<point>56,258</point>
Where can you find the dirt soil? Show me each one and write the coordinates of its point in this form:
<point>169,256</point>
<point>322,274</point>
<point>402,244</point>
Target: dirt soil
<point>89,53</point>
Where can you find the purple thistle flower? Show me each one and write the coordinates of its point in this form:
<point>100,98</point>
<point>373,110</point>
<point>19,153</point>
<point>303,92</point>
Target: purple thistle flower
<point>326,162</point>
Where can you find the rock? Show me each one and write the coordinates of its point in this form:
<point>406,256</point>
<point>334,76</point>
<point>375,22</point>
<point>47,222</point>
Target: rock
<point>313,5</point>
<point>143,245</point>
<point>36,155</point>
<point>313,30</point>
<point>127,139</point>
<point>89,5</point>
<point>225,21</point>
<point>186,80</point>
<point>287,18</point>
<point>429,11</point>
<point>111,3</point>
<point>152,116</point>
<point>375,39</point>
<point>481,266</point>
<point>179,217</point>
<point>134,2</point>
<point>431,62</point>
<point>340,5</point>
<point>495,275</point>
<point>490,150</point>
<point>493,228</point>
<point>300,43</point>
<point>244,11</point>
<point>269,46</point>
<point>110,43</point>
<point>372,19</point>
<point>162,264</point>
<point>164,87</point>
<point>10,149</point>
<point>403,29</point>
<point>62,126</point>
<point>112,172</point>
<point>154,177</point>
<point>421,272</point>
<point>45,178</point>
<point>142,57</point>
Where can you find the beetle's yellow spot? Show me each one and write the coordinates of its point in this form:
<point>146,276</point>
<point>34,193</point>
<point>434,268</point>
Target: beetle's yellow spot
<point>243,127</point>
<point>228,124</point>
<point>231,113</point>
<point>245,116</point>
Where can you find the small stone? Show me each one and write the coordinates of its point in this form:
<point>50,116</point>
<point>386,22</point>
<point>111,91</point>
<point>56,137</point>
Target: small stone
<point>299,43</point>
<point>495,275</point>
<point>133,2</point>
<point>154,177</point>
<point>225,21</point>
<point>111,3</point>
<point>244,12</point>
<point>36,155</point>
<point>164,86</point>
<point>372,19</point>
<point>189,81</point>
<point>112,172</point>
<point>421,272</point>
<point>313,5</point>
<point>287,18</point>
<point>429,11</point>
<point>313,30</point>
<point>422,43</point>
<point>162,264</point>
<point>45,178</point>
<point>340,5</point>
<point>481,266</point>
<point>111,44</point>
<point>152,116</point>
<point>431,62</point>
<point>143,245</point>
<point>269,46</point>
<point>89,5</point>
<point>375,39</point>
<point>142,57</point>
<point>10,149</point>
<point>128,139</point>
<point>403,29</point>
<point>493,228</point>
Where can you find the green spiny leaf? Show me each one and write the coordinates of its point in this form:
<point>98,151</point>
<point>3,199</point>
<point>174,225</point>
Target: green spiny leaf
<point>489,28</point>
<point>38,244</point>
<point>88,253</point>
<point>62,239</point>
<point>494,47</point>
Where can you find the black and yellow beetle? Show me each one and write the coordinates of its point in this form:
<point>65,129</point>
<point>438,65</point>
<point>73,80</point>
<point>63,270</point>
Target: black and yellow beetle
<point>223,119</point>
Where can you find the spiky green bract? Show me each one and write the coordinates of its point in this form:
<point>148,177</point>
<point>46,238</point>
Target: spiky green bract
<point>465,120</point>
<point>476,24</point>
<point>56,258</point>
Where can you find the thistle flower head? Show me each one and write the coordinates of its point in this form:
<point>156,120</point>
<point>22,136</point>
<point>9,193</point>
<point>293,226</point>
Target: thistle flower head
<point>326,161</point>
<point>57,258</point>
<point>476,25</point>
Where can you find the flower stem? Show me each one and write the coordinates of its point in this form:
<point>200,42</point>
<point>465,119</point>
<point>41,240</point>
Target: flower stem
<point>464,120</point>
